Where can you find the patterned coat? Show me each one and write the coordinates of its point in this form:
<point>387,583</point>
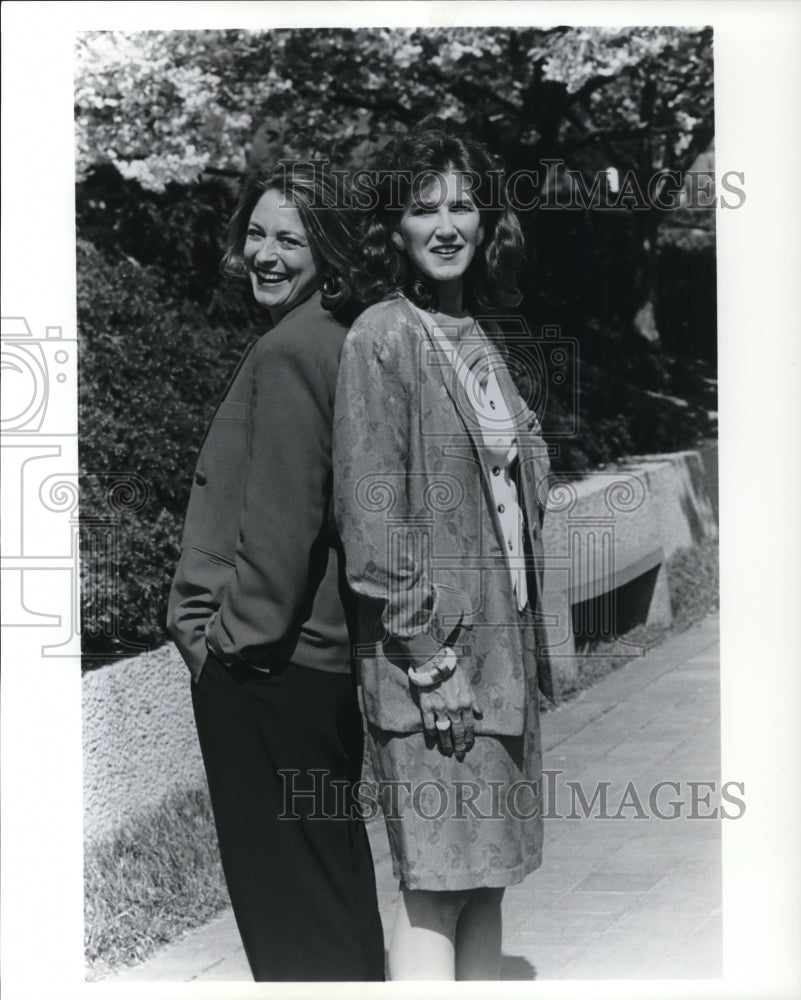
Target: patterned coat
<point>422,539</point>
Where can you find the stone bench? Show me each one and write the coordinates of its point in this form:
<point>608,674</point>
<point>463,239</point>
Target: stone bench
<point>607,537</point>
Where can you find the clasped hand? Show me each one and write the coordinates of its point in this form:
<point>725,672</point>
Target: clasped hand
<point>448,709</point>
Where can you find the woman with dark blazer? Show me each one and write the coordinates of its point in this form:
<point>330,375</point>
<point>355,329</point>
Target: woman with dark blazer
<point>439,466</point>
<point>258,607</point>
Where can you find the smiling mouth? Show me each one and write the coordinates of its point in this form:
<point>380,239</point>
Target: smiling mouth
<point>270,277</point>
<point>445,251</point>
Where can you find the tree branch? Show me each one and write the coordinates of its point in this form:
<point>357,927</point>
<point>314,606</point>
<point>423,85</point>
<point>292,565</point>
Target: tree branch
<point>478,91</point>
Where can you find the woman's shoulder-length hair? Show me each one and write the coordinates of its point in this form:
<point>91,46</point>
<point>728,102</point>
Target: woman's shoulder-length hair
<point>329,223</point>
<point>434,147</point>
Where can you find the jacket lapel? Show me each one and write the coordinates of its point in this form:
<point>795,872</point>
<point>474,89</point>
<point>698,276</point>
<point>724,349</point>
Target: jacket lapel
<point>445,366</point>
<point>243,358</point>
<point>446,373</point>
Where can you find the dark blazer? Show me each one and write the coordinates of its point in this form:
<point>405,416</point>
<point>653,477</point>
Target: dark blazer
<point>260,577</point>
<point>423,543</point>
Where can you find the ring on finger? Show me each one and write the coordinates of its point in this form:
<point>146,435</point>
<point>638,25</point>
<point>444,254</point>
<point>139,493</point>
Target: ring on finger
<point>443,724</point>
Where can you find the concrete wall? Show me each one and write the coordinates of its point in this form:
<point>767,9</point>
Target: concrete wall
<point>138,732</point>
<point>139,741</point>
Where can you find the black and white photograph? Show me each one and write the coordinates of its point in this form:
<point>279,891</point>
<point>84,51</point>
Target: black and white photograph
<point>399,424</point>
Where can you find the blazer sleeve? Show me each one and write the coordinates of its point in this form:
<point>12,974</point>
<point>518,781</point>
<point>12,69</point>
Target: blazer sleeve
<point>286,496</point>
<point>373,465</point>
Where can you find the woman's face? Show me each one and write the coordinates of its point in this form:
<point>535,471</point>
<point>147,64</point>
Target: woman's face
<point>277,255</point>
<point>441,228</point>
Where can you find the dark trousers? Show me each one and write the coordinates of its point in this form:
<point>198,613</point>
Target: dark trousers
<point>294,850</point>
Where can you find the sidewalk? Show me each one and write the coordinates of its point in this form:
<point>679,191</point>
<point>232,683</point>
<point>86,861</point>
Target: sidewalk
<point>631,897</point>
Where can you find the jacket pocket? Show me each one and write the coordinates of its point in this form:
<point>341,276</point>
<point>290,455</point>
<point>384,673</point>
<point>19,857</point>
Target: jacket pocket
<point>386,697</point>
<point>214,557</point>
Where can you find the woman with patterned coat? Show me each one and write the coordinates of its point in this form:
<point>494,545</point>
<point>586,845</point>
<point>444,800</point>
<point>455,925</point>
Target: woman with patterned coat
<point>439,470</point>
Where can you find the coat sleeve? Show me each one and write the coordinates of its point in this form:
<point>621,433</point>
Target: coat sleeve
<point>286,496</point>
<point>385,552</point>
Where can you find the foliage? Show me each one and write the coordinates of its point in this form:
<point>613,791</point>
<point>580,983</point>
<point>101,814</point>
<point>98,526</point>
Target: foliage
<point>176,234</point>
<point>151,104</point>
<point>163,106</point>
<point>628,404</point>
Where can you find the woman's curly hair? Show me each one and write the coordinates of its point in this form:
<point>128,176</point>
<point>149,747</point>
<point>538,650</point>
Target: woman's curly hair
<point>435,147</point>
<point>330,227</point>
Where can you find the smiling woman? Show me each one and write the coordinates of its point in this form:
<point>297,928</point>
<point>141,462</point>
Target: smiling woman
<point>289,232</point>
<point>259,615</point>
<point>277,255</point>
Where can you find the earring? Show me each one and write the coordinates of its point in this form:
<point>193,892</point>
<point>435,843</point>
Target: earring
<point>331,285</point>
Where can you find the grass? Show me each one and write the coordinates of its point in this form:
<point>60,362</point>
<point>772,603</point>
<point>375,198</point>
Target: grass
<point>161,876</point>
<point>155,879</point>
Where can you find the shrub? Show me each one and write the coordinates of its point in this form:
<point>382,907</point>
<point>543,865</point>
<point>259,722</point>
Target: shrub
<point>151,370</point>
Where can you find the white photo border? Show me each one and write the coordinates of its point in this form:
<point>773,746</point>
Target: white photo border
<point>758,106</point>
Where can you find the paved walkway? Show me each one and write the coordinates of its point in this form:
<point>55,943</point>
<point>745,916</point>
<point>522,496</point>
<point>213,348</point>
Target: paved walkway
<point>629,896</point>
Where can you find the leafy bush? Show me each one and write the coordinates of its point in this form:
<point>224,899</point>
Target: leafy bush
<point>151,369</point>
